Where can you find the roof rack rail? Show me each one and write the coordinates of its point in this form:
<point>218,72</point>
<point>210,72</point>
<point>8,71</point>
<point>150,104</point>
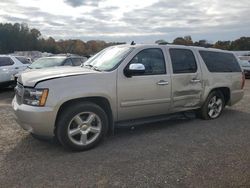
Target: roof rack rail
<point>163,43</point>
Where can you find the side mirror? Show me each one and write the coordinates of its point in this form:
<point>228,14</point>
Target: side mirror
<point>134,69</point>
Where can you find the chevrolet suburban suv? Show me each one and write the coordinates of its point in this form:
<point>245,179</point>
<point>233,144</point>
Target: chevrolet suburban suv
<point>125,84</point>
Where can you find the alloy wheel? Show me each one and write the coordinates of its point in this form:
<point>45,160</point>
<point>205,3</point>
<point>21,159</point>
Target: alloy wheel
<point>215,107</point>
<point>84,128</point>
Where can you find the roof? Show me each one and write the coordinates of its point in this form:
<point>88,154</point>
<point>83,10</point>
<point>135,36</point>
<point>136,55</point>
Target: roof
<point>7,55</point>
<point>177,46</point>
<point>65,55</point>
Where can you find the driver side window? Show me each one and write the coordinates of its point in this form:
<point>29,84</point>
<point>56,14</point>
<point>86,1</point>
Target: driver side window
<point>152,59</point>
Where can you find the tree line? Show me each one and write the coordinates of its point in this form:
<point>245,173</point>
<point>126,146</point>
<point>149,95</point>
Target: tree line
<point>19,37</point>
<point>241,44</point>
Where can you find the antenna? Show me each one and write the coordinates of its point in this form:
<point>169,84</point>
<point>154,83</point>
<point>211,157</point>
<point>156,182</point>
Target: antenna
<point>132,43</point>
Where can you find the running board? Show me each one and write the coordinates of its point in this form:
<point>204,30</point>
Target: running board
<point>155,119</point>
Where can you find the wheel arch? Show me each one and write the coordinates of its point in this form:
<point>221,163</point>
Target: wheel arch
<point>100,101</point>
<point>225,91</point>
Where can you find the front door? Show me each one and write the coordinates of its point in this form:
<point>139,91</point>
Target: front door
<point>148,94</point>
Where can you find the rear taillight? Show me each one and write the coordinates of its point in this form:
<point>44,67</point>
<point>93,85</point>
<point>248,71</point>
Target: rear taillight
<point>243,80</point>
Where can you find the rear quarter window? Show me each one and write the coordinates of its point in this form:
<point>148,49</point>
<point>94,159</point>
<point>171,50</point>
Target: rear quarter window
<point>220,61</point>
<point>6,61</point>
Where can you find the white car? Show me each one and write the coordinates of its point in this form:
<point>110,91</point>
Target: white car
<point>245,67</point>
<point>9,66</point>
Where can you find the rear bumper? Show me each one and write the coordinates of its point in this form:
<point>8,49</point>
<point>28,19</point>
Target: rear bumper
<point>36,120</point>
<point>236,96</point>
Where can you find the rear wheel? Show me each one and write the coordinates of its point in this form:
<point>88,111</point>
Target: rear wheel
<point>82,126</point>
<point>4,85</point>
<point>213,106</point>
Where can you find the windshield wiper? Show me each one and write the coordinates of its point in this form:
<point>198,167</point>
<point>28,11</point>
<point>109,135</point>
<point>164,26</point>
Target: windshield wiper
<point>87,65</point>
<point>96,68</point>
<point>92,67</point>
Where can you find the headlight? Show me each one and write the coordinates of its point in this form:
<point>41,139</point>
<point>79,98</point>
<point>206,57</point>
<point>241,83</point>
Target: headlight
<point>35,97</point>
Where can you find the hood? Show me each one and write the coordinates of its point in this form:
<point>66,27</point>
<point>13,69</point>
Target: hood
<point>31,76</point>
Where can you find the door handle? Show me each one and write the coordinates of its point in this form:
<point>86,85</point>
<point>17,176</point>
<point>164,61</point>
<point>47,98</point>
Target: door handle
<point>16,67</point>
<point>162,82</point>
<point>195,81</point>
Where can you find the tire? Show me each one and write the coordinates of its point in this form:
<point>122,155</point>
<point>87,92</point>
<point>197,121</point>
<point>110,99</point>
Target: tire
<point>82,126</point>
<point>4,86</point>
<point>213,106</point>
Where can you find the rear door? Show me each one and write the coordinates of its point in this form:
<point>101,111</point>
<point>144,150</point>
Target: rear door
<point>186,79</point>
<point>148,94</point>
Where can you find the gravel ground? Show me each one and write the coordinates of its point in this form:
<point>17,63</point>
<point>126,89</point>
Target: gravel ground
<point>175,153</point>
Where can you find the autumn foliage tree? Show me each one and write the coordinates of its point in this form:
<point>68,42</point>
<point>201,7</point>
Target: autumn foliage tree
<point>19,37</point>
<point>242,43</point>
<point>186,40</point>
<point>224,45</point>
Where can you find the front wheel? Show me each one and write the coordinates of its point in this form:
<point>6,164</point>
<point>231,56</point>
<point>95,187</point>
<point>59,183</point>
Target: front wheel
<point>82,126</point>
<point>213,106</point>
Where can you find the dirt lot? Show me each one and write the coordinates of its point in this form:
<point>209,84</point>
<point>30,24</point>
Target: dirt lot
<point>176,153</point>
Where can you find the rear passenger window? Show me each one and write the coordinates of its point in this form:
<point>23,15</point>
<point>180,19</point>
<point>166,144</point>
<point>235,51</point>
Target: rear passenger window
<point>76,61</point>
<point>183,61</point>
<point>68,62</point>
<point>6,61</point>
<point>152,59</point>
<point>220,61</point>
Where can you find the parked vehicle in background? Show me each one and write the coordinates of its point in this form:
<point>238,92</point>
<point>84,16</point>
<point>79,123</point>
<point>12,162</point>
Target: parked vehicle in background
<point>58,60</point>
<point>9,66</point>
<point>245,64</point>
<point>126,84</point>
<point>244,58</point>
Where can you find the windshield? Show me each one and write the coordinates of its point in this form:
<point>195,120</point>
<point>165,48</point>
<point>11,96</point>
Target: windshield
<point>47,62</point>
<point>108,58</point>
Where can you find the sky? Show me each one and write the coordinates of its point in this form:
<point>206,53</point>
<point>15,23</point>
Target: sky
<point>142,21</point>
